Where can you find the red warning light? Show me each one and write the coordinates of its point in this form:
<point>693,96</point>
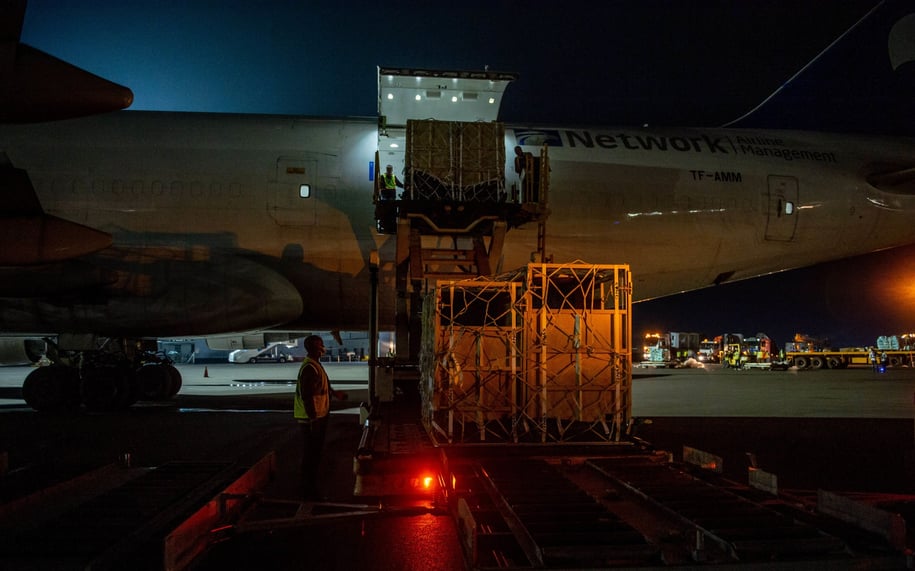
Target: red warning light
<point>423,483</point>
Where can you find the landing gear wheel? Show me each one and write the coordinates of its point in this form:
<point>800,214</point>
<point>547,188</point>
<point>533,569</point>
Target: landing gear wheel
<point>52,388</point>
<point>174,384</point>
<point>132,394</point>
<point>154,381</point>
<point>107,388</point>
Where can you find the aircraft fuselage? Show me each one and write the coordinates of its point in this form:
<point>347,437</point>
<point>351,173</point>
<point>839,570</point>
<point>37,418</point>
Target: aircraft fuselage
<point>211,233</point>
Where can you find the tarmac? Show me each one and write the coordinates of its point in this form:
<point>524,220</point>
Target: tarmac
<point>839,430</point>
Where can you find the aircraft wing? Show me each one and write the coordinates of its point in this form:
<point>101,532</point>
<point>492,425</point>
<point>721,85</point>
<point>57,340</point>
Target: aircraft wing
<point>35,86</point>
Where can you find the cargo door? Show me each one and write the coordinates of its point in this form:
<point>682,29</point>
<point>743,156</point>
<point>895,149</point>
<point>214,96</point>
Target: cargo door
<point>782,208</point>
<point>466,96</point>
<point>291,195</point>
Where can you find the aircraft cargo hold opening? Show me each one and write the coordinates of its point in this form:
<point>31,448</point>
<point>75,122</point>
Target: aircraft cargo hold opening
<point>454,179</point>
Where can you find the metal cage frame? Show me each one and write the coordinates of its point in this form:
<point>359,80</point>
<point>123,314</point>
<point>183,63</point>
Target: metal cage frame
<point>540,355</point>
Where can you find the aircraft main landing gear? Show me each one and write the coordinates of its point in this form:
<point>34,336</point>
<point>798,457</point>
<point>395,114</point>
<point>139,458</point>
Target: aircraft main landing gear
<point>101,380</point>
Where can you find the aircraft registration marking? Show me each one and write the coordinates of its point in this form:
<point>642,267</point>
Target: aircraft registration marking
<point>716,176</point>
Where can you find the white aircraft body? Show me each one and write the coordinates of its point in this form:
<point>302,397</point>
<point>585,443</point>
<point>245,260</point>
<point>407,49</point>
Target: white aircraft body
<point>179,224</point>
<point>210,233</point>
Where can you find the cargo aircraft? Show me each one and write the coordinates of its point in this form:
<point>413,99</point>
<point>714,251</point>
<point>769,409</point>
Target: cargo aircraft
<point>122,226</point>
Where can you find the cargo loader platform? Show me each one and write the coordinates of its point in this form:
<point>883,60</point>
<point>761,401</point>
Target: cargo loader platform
<point>627,506</point>
<point>524,394</point>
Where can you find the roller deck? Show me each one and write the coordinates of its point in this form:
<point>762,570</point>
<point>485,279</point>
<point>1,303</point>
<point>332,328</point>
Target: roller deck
<point>627,506</point>
<point>116,517</point>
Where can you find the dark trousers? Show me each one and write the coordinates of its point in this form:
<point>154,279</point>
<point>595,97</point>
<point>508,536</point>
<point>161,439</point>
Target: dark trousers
<point>313,434</point>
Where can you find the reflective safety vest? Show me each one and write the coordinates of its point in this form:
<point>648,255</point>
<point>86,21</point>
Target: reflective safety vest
<point>321,396</point>
<point>390,181</point>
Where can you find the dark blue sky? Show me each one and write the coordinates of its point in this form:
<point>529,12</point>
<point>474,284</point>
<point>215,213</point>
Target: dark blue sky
<point>672,62</point>
<point>613,62</point>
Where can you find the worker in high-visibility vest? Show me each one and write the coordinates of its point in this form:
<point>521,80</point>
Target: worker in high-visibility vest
<point>311,409</point>
<point>390,183</point>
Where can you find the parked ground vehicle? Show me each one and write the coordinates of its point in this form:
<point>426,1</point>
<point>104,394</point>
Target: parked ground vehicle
<point>757,351</point>
<point>888,351</point>
<point>272,353</point>
<point>669,349</point>
<point>709,351</point>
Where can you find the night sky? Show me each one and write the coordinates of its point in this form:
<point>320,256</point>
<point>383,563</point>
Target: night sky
<point>634,62</point>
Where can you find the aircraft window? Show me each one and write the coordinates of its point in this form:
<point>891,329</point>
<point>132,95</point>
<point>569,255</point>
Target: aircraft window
<point>789,208</point>
<point>304,191</point>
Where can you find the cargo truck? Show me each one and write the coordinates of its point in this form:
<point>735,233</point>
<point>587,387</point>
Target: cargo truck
<point>757,352</point>
<point>669,349</point>
<point>709,351</point>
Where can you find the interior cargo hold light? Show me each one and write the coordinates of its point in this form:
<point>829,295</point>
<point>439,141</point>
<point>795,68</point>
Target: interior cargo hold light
<point>419,97</point>
<point>395,146</point>
<point>390,96</point>
<point>492,100</point>
<point>454,98</point>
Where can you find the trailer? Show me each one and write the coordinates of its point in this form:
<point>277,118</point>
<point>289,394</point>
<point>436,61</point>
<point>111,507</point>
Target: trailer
<point>889,351</point>
<point>850,357</point>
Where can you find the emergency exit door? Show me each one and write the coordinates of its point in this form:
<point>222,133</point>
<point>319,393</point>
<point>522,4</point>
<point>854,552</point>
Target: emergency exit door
<point>782,208</point>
